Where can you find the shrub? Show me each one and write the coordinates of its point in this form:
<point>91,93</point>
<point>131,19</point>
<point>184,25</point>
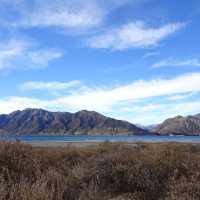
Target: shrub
<point>116,171</point>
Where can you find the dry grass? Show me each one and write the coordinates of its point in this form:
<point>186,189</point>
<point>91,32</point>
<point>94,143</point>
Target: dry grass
<point>108,171</point>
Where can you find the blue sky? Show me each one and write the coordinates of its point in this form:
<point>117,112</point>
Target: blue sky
<point>137,60</point>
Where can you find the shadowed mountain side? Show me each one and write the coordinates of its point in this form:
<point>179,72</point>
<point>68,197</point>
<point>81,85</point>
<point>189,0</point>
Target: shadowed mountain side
<point>179,125</point>
<point>38,121</point>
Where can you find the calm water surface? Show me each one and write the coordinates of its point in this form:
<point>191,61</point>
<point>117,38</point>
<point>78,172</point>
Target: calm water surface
<point>86,138</point>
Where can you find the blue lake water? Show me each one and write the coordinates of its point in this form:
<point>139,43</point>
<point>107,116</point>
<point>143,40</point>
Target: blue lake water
<point>86,138</point>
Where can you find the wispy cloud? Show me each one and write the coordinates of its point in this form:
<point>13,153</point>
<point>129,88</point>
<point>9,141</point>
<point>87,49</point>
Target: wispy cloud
<point>134,35</point>
<point>39,85</point>
<point>20,54</point>
<point>104,99</point>
<point>10,51</point>
<point>150,54</point>
<point>180,96</point>
<point>154,114</point>
<point>10,104</point>
<point>61,17</point>
<point>60,13</point>
<point>43,57</point>
<point>177,63</point>
<point>145,114</point>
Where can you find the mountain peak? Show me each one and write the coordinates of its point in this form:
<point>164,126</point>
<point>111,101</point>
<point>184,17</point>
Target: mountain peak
<point>85,111</point>
<point>180,125</point>
<point>179,117</point>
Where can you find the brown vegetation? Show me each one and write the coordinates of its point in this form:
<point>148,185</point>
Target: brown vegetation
<point>108,171</point>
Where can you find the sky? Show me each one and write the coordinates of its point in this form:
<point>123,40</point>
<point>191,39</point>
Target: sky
<point>135,60</point>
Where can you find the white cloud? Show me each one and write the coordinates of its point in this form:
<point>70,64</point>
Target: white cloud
<point>114,100</point>
<point>38,85</point>
<point>177,63</point>
<point>134,35</point>
<point>142,109</point>
<point>180,96</point>
<point>60,17</point>
<point>11,104</point>
<point>60,13</point>
<point>150,54</point>
<point>43,57</point>
<point>154,114</point>
<point>19,54</point>
<point>105,99</point>
<point>11,50</point>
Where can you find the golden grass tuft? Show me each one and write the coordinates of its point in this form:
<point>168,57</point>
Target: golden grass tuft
<point>105,172</point>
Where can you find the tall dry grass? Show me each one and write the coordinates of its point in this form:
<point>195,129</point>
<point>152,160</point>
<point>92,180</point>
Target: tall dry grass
<point>108,171</point>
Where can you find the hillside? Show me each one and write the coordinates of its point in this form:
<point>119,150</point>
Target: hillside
<point>180,125</point>
<point>38,121</point>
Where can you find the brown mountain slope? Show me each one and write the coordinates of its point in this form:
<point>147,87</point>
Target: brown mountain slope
<point>179,125</point>
<point>38,121</point>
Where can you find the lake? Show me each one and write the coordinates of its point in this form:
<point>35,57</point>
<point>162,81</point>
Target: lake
<point>86,138</point>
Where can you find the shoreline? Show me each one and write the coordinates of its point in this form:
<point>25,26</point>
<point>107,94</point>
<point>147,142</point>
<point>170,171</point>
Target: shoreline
<point>62,143</point>
<point>96,143</point>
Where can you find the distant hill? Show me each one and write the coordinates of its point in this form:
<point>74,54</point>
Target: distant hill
<point>147,127</point>
<point>38,121</point>
<point>180,125</point>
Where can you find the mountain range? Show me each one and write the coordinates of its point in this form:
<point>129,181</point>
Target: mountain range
<point>38,121</point>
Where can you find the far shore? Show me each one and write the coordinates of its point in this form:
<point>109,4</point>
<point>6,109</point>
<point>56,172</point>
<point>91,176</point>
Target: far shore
<point>93,143</point>
<point>62,144</point>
